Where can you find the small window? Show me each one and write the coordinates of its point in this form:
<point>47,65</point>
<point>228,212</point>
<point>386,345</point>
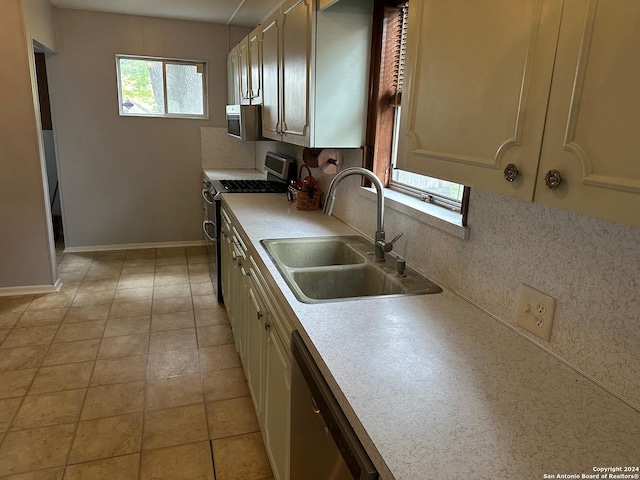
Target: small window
<point>159,87</point>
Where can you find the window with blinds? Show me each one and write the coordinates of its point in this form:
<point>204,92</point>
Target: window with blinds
<point>433,190</point>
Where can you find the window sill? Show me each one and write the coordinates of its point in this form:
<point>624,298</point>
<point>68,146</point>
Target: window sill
<point>427,213</point>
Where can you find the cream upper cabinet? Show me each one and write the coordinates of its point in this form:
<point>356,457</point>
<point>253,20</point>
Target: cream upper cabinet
<point>591,136</point>
<point>255,66</point>
<point>244,71</point>
<point>271,77</point>
<point>476,86</point>
<point>295,36</point>
<point>315,73</point>
<point>286,50</point>
<point>548,86</point>
<point>233,77</point>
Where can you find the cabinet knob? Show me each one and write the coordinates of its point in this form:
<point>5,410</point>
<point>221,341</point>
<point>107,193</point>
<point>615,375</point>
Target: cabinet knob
<point>552,179</point>
<point>259,315</point>
<point>267,326</point>
<point>511,172</point>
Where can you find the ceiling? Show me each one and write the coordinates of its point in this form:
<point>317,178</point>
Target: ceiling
<point>246,13</point>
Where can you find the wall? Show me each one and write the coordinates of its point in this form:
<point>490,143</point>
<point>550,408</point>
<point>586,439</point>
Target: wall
<point>128,180</point>
<point>25,253</point>
<point>591,266</point>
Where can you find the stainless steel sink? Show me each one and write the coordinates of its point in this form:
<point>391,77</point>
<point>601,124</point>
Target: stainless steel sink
<point>325,269</point>
<point>314,252</point>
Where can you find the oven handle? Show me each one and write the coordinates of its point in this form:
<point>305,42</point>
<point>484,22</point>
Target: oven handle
<point>207,196</point>
<point>204,229</point>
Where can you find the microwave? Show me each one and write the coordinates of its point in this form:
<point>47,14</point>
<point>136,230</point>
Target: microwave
<point>244,122</point>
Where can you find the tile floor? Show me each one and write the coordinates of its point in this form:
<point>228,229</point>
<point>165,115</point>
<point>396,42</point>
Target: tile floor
<point>129,372</point>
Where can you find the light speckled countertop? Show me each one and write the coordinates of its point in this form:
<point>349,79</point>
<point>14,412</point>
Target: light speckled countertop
<point>437,389</point>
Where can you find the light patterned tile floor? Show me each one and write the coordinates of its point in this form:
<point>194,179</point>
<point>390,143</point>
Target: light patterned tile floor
<point>129,373</point>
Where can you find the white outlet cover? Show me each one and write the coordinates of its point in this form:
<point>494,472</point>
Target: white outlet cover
<point>535,312</point>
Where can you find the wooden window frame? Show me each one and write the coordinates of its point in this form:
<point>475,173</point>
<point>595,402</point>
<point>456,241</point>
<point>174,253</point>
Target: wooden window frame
<point>382,96</point>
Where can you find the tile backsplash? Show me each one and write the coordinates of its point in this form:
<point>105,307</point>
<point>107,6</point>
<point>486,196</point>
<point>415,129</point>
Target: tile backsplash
<point>219,150</point>
<point>591,266</point>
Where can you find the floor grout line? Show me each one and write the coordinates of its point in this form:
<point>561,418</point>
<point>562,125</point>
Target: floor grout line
<point>194,271</point>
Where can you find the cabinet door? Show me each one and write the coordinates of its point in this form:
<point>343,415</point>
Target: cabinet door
<point>591,136</point>
<point>277,405</point>
<point>271,79</point>
<point>255,66</point>
<point>233,77</point>
<point>255,336</point>
<point>296,59</point>
<point>227,268</point>
<point>476,88</point>
<point>244,71</point>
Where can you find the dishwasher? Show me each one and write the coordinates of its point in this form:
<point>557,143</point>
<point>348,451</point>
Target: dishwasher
<point>323,444</point>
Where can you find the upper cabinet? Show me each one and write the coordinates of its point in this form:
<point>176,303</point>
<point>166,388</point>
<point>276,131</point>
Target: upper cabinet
<point>254,42</point>
<point>591,135</point>
<point>244,71</point>
<point>233,77</point>
<point>537,100</point>
<point>315,68</point>
<point>286,46</point>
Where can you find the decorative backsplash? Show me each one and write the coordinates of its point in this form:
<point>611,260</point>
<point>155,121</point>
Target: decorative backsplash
<point>591,266</point>
<point>219,150</point>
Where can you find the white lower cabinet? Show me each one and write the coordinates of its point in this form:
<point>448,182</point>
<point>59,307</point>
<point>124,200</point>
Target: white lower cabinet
<point>277,404</point>
<point>262,336</point>
<point>255,334</point>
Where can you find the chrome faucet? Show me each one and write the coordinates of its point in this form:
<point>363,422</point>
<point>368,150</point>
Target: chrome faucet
<point>381,246</point>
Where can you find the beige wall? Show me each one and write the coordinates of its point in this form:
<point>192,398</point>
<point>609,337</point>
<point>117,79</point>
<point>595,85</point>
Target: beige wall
<point>25,254</point>
<point>128,180</point>
<point>38,18</point>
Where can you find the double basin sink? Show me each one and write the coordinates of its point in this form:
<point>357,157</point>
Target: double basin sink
<point>325,269</point>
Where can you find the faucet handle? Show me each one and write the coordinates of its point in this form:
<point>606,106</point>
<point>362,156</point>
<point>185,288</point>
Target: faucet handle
<point>400,267</point>
<point>388,246</point>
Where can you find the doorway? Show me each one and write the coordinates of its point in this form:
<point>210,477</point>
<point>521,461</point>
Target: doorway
<point>49,151</point>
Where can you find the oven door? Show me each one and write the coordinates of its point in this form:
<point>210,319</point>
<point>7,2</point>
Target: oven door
<point>209,228</point>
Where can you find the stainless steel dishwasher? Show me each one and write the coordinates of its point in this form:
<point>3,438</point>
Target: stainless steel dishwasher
<point>323,444</point>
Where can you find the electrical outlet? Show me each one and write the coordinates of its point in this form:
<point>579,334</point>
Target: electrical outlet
<point>535,312</point>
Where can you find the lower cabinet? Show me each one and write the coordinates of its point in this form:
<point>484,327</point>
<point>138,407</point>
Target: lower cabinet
<point>255,335</point>
<point>262,340</point>
<point>277,404</point>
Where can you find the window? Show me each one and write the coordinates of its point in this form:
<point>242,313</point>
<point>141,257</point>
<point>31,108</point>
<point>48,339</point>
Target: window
<point>391,35</point>
<point>158,87</point>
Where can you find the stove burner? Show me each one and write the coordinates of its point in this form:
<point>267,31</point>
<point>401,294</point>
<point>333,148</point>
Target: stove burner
<point>253,186</point>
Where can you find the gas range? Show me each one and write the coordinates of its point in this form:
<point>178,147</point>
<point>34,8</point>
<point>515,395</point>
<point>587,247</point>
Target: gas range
<point>280,170</point>
<point>249,186</point>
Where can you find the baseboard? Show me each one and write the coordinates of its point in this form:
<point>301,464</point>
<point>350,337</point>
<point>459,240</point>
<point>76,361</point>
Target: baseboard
<point>133,246</point>
<point>30,289</point>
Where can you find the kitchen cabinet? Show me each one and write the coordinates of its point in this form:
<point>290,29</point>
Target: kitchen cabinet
<point>591,134</point>
<point>277,402</point>
<point>234,271</point>
<point>244,65</point>
<point>254,321</point>
<point>513,99</point>
<point>315,73</point>
<point>255,66</point>
<point>233,77</point>
<point>244,71</point>
<point>262,335</point>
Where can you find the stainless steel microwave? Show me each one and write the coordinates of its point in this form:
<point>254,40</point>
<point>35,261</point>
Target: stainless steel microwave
<point>244,122</point>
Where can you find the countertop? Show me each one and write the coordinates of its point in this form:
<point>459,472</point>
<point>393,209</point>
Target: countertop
<point>437,389</point>
<point>234,174</point>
